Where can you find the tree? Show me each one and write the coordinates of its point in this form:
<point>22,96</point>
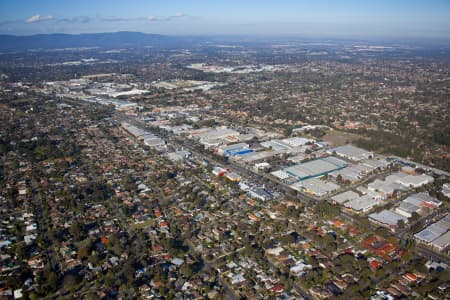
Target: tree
<point>129,270</point>
<point>76,230</point>
<point>186,270</point>
<point>52,281</point>
<point>414,217</point>
<point>94,258</point>
<point>83,252</point>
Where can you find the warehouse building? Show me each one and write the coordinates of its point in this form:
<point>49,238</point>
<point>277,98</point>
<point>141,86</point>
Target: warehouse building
<point>315,187</point>
<point>315,168</point>
<point>420,203</point>
<point>222,150</point>
<point>260,194</point>
<point>415,181</point>
<point>232,176</point>
<point>351,152</point>
<point>238,152</point>
<point>436,235</point>
<point>276,145</point>
<point>344,197</point>
<point>256,156</point>
<point>363,204</point>
<point>147,137</point>
<point>387,218</point>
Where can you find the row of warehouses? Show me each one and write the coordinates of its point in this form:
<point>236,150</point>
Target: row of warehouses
<point>147,137</point>
<point>379,190</point>
<point>419,203</point>
<point>437,235</point>
<point>243,152</point>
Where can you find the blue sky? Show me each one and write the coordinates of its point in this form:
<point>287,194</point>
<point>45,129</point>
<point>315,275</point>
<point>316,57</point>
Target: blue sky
<point>322,18</point>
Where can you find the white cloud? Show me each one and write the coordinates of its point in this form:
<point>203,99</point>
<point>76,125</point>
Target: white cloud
<point>38,18</point>
<point>78,19</point>
<point>149,18</point>
<point>175,16</point>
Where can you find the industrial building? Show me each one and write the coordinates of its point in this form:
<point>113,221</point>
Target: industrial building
<point>351,152</point>
<point>315,187</point>
<point>291,145</point>
<point>238,152</point>
<point>276,145</point>
<point>385,187</point>
<point>178,155</point>
<point>363,204</point>
<point>214,133</point>
<point>315,168</point>
<point>437,235</point>
<point>233,176</point>
<point>344,197</point>
<point>280,174</point>
<point>297,141</point>
<point>219,171</point>
<point>256,156</point>
<point>415,181</point>
<point>387,218</point>
<point>420,203</point>
<point>153,141</point>
<point>225,149</point>
<point>147,137</point>
<point>260,194</point>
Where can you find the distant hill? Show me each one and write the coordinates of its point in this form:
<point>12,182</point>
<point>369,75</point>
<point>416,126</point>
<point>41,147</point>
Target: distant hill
<point>103,40</point>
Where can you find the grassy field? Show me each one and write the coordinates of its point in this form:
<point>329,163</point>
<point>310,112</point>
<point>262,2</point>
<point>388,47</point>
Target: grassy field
<point>339,138</point>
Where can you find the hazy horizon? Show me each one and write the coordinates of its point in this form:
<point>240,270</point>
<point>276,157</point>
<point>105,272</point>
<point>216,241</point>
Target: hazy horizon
<point>331,19</point>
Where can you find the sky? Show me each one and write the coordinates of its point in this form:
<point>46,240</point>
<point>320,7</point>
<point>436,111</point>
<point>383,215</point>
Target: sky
<point>313,18</point>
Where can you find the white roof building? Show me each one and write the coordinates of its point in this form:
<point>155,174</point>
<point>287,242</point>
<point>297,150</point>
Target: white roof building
<point>351,152</point>
<point>415,180</point>
<point>362,204</point>
<point>315,186</point>
<point>387,218</point>
<point>344,197</point>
